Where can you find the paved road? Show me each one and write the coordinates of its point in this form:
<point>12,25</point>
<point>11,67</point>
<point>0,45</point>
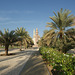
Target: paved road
<point>35,66</point>
<point>12,65</point>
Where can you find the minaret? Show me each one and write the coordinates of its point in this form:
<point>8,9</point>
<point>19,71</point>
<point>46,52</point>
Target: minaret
<point>36,37</point>
<point>36,31</point>
<point>33,33</point>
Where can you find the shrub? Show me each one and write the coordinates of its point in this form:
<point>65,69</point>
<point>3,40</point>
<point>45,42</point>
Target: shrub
<point>64,63</point>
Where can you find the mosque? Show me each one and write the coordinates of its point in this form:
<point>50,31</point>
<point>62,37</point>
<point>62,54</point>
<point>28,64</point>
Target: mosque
<point>36,37</point>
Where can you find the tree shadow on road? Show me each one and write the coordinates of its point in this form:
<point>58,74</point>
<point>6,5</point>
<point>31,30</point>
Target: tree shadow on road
<point>34,66</point>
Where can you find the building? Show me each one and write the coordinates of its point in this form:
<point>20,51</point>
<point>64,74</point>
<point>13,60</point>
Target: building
<point>36,37</point>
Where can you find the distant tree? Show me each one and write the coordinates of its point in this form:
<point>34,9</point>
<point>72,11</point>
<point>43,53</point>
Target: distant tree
<point>45,31</point>
<point>27,41</point>
<point>21,32</point>
<point>42,42</point>
<point>49,37</point>
<point>70,41</point>
<point>7,38</point>
<point>25,38</point>
<point>70,38</point>
<point>71,33</point>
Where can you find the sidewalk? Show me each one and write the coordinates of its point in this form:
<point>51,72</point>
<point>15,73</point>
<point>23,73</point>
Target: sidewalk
<point>35,66</point>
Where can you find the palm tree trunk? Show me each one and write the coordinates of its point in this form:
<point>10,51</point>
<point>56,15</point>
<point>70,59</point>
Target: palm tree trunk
<point>20,45</point>
<point>60,36</point>
<point>6,49</point>
<point>11,46</point>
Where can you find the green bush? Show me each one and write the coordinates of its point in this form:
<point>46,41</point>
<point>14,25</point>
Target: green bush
<point>64,63</point>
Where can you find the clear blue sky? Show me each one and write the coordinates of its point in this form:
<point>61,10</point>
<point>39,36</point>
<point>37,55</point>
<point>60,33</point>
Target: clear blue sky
<point>30,14</point>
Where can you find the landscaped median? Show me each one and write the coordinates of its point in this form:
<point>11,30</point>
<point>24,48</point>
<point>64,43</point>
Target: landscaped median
<point>62,64</point>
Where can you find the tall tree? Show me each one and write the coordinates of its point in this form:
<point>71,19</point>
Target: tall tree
<point>60,23</point>
<point>7,38</point>
<point>25,38</point>
<point>49,37</point>
<point>20,33</point>
<point>71,37</point>
<point>27,41</point>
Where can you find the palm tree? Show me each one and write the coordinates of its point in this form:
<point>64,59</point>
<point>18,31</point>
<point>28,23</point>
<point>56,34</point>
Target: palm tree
<point>49,37</point>
<point>71,33</point>
<point>71,37</point>
<point>7,38</point>
<point>61,21</point>
<point>25,38</point>
<point>20,33</point>
<point>42,42</point>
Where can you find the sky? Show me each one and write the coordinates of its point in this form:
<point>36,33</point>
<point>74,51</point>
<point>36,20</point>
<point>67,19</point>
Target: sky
<point>30,14</point>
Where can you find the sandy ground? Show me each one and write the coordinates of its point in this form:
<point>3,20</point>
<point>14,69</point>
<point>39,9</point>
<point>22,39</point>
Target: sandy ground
<point>12,65</point>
